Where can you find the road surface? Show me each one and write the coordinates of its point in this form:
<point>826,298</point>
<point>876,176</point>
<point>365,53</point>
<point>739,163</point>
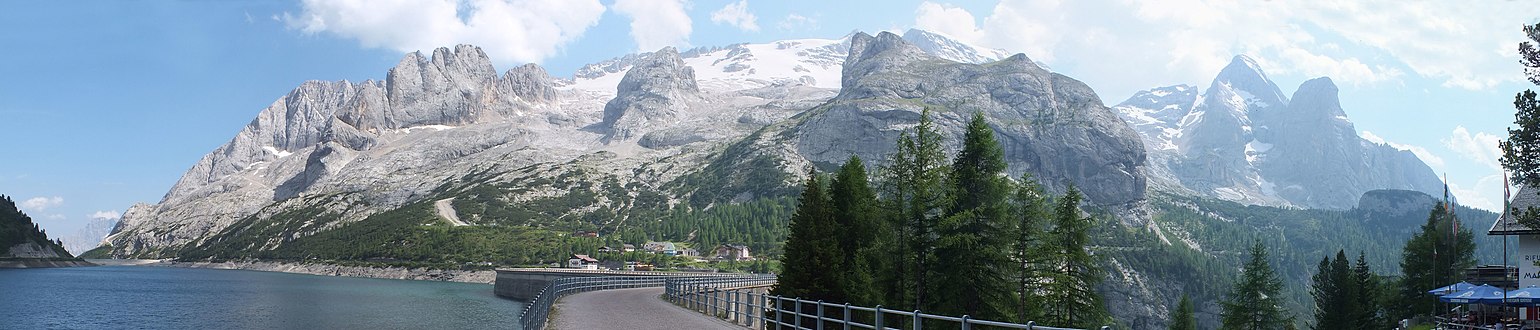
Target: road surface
<point>639,308</point>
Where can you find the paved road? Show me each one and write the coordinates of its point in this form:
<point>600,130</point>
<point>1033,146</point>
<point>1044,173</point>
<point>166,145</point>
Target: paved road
<point>628,309</point>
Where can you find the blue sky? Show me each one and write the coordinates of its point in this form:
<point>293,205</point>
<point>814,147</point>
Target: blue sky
<point>105,104</point>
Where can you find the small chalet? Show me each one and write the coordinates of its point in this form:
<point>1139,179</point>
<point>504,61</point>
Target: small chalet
<point>733,252</point>
<point>667,248</point>
<point>583,261</point>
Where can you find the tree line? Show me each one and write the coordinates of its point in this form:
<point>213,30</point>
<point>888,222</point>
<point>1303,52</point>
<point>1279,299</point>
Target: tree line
<point>956,237</point>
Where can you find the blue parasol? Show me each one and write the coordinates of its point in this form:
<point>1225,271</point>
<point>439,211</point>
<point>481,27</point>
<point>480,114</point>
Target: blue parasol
<point>1452,288</point>
<point>1484,294</point>
<point>1529,296</point>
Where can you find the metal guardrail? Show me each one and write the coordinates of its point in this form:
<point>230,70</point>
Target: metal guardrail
<point>537,310</point>
<point>736,300</point>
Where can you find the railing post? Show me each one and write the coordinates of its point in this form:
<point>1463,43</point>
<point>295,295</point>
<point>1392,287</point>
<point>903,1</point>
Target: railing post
<point>847,317</point>
<point>916,319</point>
<point>778,317</point>
<point>1031,324</point>
<point>965,322</point>
<point>798,323</point>
<point>820,314</point>
<point>877,324</point>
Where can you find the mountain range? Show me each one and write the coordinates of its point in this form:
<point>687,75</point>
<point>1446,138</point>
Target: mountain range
<point>624,140</point>
<point>1243,140</point>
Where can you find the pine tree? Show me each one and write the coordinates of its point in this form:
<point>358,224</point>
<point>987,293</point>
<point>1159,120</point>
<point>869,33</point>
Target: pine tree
<point>1255,303</point>
<point>855,211</point>
<point>1521,152</point>
<point>1336,294</point>
<point>1435,257</point>
<point>974,234</point>
<point>1323,290</point>
<point>810,266</point>
<point>916,183</point>
<point>1182,317</point>
<point>1029,211</point>
<point>1370,311</point>
<point>1071,285</point>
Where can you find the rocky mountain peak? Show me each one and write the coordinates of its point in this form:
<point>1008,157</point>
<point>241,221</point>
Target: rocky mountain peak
<point>1246,78</point>
<point>951,49</point>
<point>658,87</point>
<point>1318,98</point>
<point>661,69</point>
<point>529,82</point>
<point>870,54</point>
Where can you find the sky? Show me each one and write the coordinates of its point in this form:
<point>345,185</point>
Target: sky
<point>104,104</point>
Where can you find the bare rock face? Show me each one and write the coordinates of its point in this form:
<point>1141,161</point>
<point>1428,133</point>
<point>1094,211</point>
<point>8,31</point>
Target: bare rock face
<point>314,138</point>
<point>1242,140</point>
<point>1050,125</point>
<point>654,91</point>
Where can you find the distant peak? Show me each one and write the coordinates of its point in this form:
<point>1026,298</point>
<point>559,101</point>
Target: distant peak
<point>1244,74</point>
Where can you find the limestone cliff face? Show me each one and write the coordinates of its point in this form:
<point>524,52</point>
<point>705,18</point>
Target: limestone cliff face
<point>309,141</point>
<point>655,91</point>
<point>1050,125</point>
<point>1242,140</point>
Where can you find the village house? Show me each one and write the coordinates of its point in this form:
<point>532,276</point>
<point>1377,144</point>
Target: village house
<point>733,252</point>
<point>583,261</point>
<point>661,247</point>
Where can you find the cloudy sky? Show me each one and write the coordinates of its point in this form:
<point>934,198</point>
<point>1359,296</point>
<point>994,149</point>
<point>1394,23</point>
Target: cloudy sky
<point>105,104</point>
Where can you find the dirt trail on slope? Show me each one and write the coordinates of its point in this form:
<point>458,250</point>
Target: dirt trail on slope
<point>446,210</point>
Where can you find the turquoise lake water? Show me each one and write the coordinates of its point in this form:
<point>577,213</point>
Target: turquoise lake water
<point>127,297</point>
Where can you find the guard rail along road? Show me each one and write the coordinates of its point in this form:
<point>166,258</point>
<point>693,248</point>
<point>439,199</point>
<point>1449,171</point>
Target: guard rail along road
<point>538,308</point>
<point>745,301</point>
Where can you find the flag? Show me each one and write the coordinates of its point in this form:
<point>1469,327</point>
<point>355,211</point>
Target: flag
<point>1454,224</point>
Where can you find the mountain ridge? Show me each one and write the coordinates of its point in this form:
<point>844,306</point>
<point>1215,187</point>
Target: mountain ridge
<point>1242,140</point>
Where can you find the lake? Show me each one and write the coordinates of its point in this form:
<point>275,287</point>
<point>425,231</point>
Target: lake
<point>137,297</point>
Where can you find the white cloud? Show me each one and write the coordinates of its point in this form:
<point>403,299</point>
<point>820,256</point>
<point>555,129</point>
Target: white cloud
<point>795,22</point>
<point>38,204</point>
<point>1187,41</point>
<point>949,20</point>
<point>1485,194</point>
<point>736,14</point>
<point>1480,147</point>
<point>1434,161</point>
<point>510,31</point>
<point>105,215</point>
<point>55,217</point>
<point>656,24</point>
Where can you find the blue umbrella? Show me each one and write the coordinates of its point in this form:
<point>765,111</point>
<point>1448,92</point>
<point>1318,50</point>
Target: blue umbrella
<point>1529,296</point>
<point>1452,288</point>
<point>1484,294</point>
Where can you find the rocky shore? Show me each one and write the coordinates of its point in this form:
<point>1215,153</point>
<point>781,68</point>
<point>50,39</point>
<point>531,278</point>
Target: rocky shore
<point>44,263</point>
<point>400,273</point>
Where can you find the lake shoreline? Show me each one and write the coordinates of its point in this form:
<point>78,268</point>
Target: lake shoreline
<point>325,269</point>
<point>42,263</point>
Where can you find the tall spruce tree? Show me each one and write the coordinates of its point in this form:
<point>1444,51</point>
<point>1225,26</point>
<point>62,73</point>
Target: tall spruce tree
<point>917,198</point>
<point>855,211</point>
<point>1183,318</point>
<point>811,264</point>
<point>1256,301</point>
<point>1030,211</point>
<point>975,235</point>
<point>1435,257</point>
<point>1071,286</point>
<point>1370,311</point>
<point>1336,293</point>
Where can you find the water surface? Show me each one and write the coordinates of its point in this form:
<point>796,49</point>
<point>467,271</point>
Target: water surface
<point>137,297</point>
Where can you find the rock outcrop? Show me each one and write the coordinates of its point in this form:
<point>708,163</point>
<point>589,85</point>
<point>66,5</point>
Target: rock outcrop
<point>1049,125</point>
